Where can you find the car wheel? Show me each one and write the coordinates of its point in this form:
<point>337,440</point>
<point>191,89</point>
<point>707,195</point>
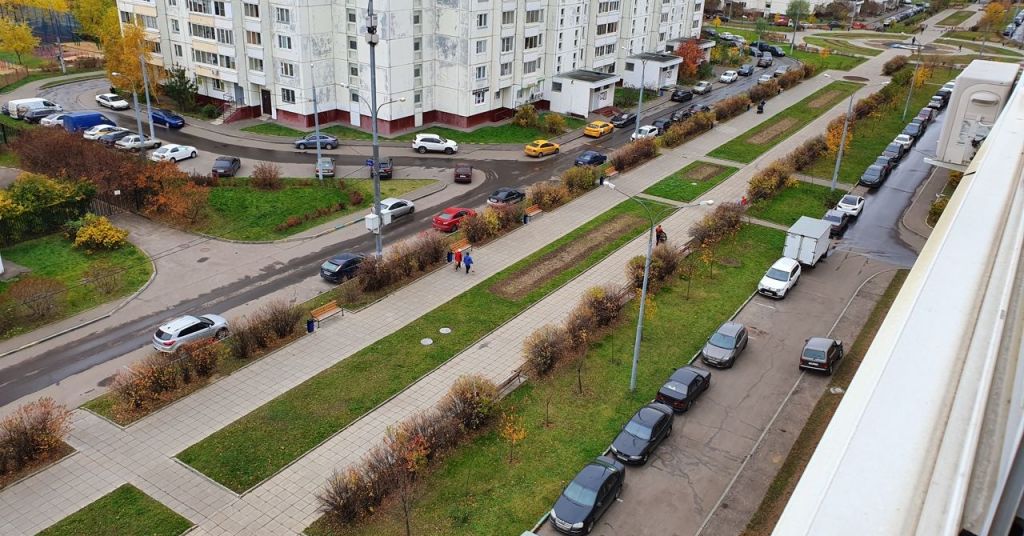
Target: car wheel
<point>831,368</point>
<point>449,151</point>
<point>669,432</point>
<point>157,146</point>
<point>222,334</point>
<point>332,146</point>
<point>301,146</point>
<point>556,151</point>
<point>412,209</point>
<point>173,161</point>
<point>421,149</point>
<point>589,528</point>
<point>455,229</point>
<point>193,155</point>
<point>643,461</point>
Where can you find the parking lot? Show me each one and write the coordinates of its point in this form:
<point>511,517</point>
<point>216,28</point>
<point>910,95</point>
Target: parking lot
<point>682,483</point>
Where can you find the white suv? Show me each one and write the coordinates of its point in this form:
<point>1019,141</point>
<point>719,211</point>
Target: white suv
<point>189,329</point>
<point>781,277</point>
<point>433,142</point>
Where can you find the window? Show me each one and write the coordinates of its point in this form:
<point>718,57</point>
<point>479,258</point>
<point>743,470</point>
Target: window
<point>508,17</point>
<point>536,15</point>
<point>353,44</point>
<point>153,46</point>
<point>417,71</point>
<point>664,17</point>
<point>287,69</point>
<point>531,66</point>
<point>696,23</point>
<point>481,20</point>
<point>479,96</point>
<point>417,44</point>
<point>225,36</point>
<point>506,69</point>
<point>198,30</point>
<point>255,64</point>
<point>556,87</point>
<point>287,95</point>
<point>172,3</point>
<point>219,9</point>
<point>199,6</point>
<point>630,66</point>
<point>481,46</point>
<point>604,50</point>
<point>148,22</point>
<point>227,62</point>
<point>201,56</point>
<point>251,10</point>
<point>126,17</point>
<point>352,16</point>
<point>253,38</point>
<point>175,26</point>
<point>282,15</point>
<point>353,70</point>
<point>284,41</point>
<point>532,42</point>
<point>354,96</point>
<point>607,28</point>
<point>661,36</point>
<point>507,44</point>
<point>417,97</point>
<point>177,51</point>
<point>417,18</point>
<point>606,7</point>
<point>481,72</point>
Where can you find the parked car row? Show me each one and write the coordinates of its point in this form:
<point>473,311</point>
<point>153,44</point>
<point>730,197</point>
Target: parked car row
<point>879,171</point>
<point>901,16</point>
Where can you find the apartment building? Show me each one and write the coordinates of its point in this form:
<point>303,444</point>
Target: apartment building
<point>455,62</point>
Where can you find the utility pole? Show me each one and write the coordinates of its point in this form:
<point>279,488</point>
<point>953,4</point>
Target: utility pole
<point>316,128</point>
<point>640,103</point>
<point>910,91</point>
<point>145,86</point>
<point>842,145</point>
<point>372,39</point>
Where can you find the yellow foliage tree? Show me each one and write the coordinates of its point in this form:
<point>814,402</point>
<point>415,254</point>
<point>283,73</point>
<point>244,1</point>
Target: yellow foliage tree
<point>834,136</point>
<point>994,16</point>
<point>922,75</point>
<point>512,430</point>
<point>122,55</point>
<point>717,22</point>
<point>824,53</point>
<point>53,5</point>
<point>17,38</point>
<point>97,18</point>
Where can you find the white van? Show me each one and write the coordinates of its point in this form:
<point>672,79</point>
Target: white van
<point>16,108</point>
<point>23,109</point>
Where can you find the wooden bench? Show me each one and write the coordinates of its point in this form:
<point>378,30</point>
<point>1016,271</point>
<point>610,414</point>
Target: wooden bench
<point>461,245</point>
<point>533,211</point>
<point>326,310</point>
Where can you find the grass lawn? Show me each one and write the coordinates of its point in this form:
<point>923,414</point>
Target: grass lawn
<point>754,142</point>
<point>871,135</point>
<point>628,97</point>
<point>838,63</point>
<point>955,18</point>
<point>8,159</point>
<point>27,60</point>
<point>245,213</point>
<point>865,35</point>
<point>275,129</point>
<point>993,36</point>
<point>126,511</point>
<point>301,418</point>
<point>52,256</point>
<point>762,523</point>
<point>990,48</point>
<point>343,132</point>
<point>804,199</point>
<point>40,75</point>
<point>691,182</point>
<point>841,45</point>
<point>476,491</point>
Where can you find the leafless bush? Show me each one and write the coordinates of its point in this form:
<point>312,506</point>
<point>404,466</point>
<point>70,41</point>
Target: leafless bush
<point>791,78</point>
<point>893,65</point>
<point>104,278</point>
<point>764,91</point>
<point>545,347</point>
<point>581,325</point>
<point>470,401</point>
<point>41,298</point>
<point>375,274</point>
<point>475,229</point>
<point>724,221</point>
<point>547,195</point>
<point>732,106</point>
<point>808,152</point>
<point>633,153</point>
<point>31,431</point>
<point>606,302</point>
<point>427,249</point>
<point>767,182</point>
<point>266,176</point>
<point>281,318</point>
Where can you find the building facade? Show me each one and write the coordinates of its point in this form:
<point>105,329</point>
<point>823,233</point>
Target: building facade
<point>456,62</point>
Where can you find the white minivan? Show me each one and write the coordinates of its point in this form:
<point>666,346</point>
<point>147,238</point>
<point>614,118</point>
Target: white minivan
<point>17,108</point>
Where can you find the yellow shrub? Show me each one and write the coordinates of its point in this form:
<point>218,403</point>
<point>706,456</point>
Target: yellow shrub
<point>98,233</point>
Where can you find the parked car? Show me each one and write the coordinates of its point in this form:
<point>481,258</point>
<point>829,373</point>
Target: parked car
<point>112,137</point>
<point>36,115</point>
<point>894,151</point>
<point>764,79</point>
<point>859,26</point>
<point>506,196</point>
<point>341,267</point>
<point>678,115</point>
<point>463,174</point>
<point>681,95</point>
<point>646,131</point>
<point>588,496</point>
<point>725,345</point>
<point>395,207</point>
<point>173,153</point>
<point>873,176</point>
<point>695,109</point>
<point>385,168</point>
<point>851,204</point>
<point>136,143</point>
<point>94,133</point>
<point>324,167</point>
<point>226,166</point>
<point>642,434</point>
<point>683,387</point>
<point>919,121</point>
<point>662,125</point>
<point>936,103</point>
<point>186,329</point>
<point>702,87</point>
<point>833,24</point>
<point>765,60</point>
<point>596,129</point>
<point>167,118</point>
<point>886,163</point>
<point>325,141</point>
<point>590,158</point>
<point>539,148</point>
<point>926,114</point>
<point>433,142</point>
<point>54,119</point>
<point>820,353</point>
<point>746,70</point>
<point>449,219</point>
<point>112,101</point>
<point>781,71</point>
<point>906,140</point>
<point>776,51</point>
<point>839,221</point>
<point>623,119</point>
<point>728,77</point>
<point>914,130</point>
<point>780,278</point>
<point>85,120</point>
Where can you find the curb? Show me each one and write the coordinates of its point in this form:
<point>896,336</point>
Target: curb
<point>913,201</point>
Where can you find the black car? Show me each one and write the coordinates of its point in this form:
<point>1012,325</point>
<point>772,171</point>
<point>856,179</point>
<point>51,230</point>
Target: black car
<point>683,387</point>
<point>682,95</point>
<point>759,46</point>
<point>506,196</point>
<point>777,51</point>
<point>226,166</point>
<point>886,163</point>
<point>341,267</point>
<point>678,116</point>
<point>727,343</point>
<point>591,158</point>
<point>662,124</point>
<point>463,173</point>
<point>894,151</point>
<point>839,220</point>
<point>36,115</point>
<point>386,169</point>
<point>643,433</point>
<point>623,119</point>
<point>113,137</point>
<point>588,496</point>
<point>927,114</point>
<point>873,176</point>
<point>746,70</point>
<point>695,109</point>
<point>821,354</point>
<point>914,130</point>
<point>833,24</point>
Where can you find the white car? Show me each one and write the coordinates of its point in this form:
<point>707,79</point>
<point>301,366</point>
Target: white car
<point>646,131</point>
<point>173,153</point>
<point>432,142</point>
<point>134,142</point>
<point>728,77</point>
<point>702,87</point>
<point>188,329</point>
<point>905,140</point>
<point>781,277</point>
<point>395,207</point>
<point>94,133</point>
<point>764,79</point>
<point>53,120</point>
<point>851,204</point>
<point>726,36</point>
<point>112,101</point>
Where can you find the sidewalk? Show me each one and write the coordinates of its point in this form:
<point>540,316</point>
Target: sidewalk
<point>286,503</point>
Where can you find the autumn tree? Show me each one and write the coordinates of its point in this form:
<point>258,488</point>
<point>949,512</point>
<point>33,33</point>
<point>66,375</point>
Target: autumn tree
<point>412,451</point>
<point>512,430</point>
<point>922,75</point>
<point>834,135</point>
<point>761,26</point>
<point>17,38</point>
<point>994,16</point>
<point>97,18</point>
<point>123,58</point>
<point>692,56</point>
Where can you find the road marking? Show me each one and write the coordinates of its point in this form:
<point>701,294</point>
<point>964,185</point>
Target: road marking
<point>772,307</point>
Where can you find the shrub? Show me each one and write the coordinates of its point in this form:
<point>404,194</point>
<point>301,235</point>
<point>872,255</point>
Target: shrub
<point>281,318</point>
<point>694,125</point>
<point>98,233</point>
<point>36,205</point>
<point>633,153</point>
<point>635,271</point>
<point>202,357</point>
<point>868,105</point>
<point>507,216</point>
<point>547,195</point>
<point>243,341</point>
<point>266,176</point>
<point>475,229</point>
<point>31,431</point>
<point>348,497</point>
<point>427,249</point>
<point>580,179</point>
<point>767,182</point>
<point>209,111</point>
<point>722,222</point>
<point>808,70</point>
<point>808,152</point>
<point>764,91</point>
<point>937,208</point>
<point>606,303</point>
<point>731,107</point>
<point>791,78</point>
<point>954,179</point>
<point>203,179</point>
<point>355,198</point>
<point>545,347</point>
<point>581,325</point>
<point>179,201</point>
<point>526,116</point>
<point>553,124</point>
<point>470,401</point>
<point>893,65</point>
<point>40,298</point>
<point>104,277</point>
<point>665,261</point>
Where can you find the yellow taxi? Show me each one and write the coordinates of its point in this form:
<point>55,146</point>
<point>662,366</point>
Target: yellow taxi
<point>598,129</point>
<point>540,148</point>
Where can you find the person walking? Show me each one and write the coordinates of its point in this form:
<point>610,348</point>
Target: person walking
<point>468,261</point>
<point>458,259</point>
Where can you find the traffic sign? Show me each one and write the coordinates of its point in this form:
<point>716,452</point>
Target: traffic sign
<point>369,162</point>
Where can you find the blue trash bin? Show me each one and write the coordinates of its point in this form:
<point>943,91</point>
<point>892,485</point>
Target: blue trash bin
<point>310,325</point>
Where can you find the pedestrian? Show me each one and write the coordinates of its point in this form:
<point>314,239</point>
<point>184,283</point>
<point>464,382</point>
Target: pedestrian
<point>469,262</point>
<point>450,256</point>
<point>458,259</point>
<point>959,48</point>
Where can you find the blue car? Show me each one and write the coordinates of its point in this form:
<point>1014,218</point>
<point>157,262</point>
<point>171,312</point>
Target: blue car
<point>167,118</point>
<point>590,158</point>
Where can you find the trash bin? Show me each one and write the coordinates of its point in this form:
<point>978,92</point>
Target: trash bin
<point>310,325</point>
<point>526,218</point>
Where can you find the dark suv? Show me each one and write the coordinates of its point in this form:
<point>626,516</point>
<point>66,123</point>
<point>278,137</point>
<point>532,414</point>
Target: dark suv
<point>594,489</point>
<point>821,354</point>
<point>682,95</point>
<point>340,267</point>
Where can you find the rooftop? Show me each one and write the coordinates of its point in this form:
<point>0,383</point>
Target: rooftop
<point>657,57</point>
<point>584,75</point>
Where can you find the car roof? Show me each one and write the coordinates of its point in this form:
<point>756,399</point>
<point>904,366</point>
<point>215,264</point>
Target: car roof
<point>834,212</point>
<point>730,328</point>
<point>226,157</point>
<point>427,135</point>
<point>342,257</point>
<point>851,197</point>
<point>818,343</point>
<point>453,210</point>
<point>683,375</point>
<point>594,473</point>
<point>784,263</point>
<point>390,200</point>
<point>536,142</point>
<point>179,323</point>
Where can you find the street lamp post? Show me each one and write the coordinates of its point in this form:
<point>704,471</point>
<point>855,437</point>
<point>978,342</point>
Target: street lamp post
<point>135,105</point>
<point>842,144</point>
<point>640,103</point>
<point>910,91</point>
<point>372,39</point>
<point>316,129</point>
<point>145,87</point>
<point>647,274</point>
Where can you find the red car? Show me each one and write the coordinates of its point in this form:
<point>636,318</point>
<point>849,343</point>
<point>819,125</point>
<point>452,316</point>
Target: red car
<point>860,26</point>
<point>449,219</point>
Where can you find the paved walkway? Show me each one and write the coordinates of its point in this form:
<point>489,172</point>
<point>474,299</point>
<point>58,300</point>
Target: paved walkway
<point>286,504</point>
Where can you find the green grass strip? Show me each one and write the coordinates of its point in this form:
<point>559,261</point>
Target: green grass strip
<point>126,511</point>
<point>841,45</point>
<point>955,19</point>
<point>301,418</point>
<point>832,62</point>
<point>753,143</point>
<point>475,491</point>
<point>684,186</point>
<point>802,199</point>
<point>988,49</point>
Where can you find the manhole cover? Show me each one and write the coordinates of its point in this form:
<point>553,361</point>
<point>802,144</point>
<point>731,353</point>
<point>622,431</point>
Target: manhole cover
<point>445,330</point>
<point>427,341</point>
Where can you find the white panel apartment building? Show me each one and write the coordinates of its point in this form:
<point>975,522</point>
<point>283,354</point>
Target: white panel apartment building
<point>457,62</point>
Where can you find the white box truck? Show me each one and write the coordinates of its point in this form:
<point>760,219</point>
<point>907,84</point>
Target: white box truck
<point>807,241</point>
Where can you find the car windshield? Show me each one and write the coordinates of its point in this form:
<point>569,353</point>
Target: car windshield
<point>778,275</point>
<point>163,335</point>
<point>893,148</point>
<point>814,355</point>
<point>638,430</point>
<point>676,387</point>
<point>723,341</point>
<point>871,171</point>
<point>849,200</point>
<point>222,162</point>
<point>832,218</point>
<point>330,266</point>
<point>445,216</point>
<point>580,495</point>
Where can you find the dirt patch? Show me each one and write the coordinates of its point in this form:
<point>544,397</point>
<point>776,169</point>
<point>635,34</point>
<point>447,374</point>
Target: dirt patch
<point>769,134</point>
<point>703,172</point>
<point>825,99</point>
<point>522,282</point>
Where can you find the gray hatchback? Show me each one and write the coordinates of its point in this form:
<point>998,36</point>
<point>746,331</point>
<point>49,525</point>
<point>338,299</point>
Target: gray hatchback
<point>727,343</point>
